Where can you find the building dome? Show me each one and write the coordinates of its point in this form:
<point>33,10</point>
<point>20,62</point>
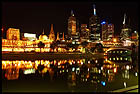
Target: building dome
<point>43,37</point>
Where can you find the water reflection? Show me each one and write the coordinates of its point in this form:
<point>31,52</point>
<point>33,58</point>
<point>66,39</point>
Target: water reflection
<point>80,73</point>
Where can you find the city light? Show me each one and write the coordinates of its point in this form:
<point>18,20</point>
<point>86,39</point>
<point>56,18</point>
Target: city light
<point>103,22</point>
<point>136,74</point>
<point>124,83</point>
<point>103,83</point>
<point>114,40</point>
<point>115,70</point>
<point>89,55</point>
<point>127,67</point>
<point>29,71</point>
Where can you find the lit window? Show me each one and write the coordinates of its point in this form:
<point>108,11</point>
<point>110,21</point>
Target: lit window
<point>114,58</point>
<point>126,59</point>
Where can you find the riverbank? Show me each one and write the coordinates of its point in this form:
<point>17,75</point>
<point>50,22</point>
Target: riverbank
<point>44,56</point>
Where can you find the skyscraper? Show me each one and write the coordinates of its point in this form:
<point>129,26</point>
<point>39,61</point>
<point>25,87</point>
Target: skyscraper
<point>72,25</point>
<point>94,26</point>
<point>84,32</point>
<point>107,31</point>
<point>126,30</point>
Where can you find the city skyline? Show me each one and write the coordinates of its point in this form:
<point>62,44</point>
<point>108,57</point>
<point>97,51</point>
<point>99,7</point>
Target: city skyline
<point>33,17</point>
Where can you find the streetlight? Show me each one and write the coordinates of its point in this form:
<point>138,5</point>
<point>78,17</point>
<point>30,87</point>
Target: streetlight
<point>114,40</point>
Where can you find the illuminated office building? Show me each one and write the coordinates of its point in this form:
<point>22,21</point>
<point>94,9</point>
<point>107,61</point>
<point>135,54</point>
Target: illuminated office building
<point>135,37</point>
<point>126,30</point>
<point>94,27</point>
<point>71,25</point>
<point>84,35</point>
<point>107,31</point>
<point>13,34</point>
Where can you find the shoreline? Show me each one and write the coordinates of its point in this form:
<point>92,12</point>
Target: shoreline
<point>45,56</point>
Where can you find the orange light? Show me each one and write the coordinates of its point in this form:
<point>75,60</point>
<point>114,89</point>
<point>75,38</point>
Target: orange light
<point>2,29</point>
<point>114,40</point>
<point>88,76</point>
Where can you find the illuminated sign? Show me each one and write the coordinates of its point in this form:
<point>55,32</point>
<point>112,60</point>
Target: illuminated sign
<point>103,22</point>
<point>30,36</point>
<point>29,71</point>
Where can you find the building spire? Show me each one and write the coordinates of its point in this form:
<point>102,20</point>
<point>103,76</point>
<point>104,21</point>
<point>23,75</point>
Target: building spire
<point>72,14</point>
<point>94,9</point>
<point>51,27</point>
<point>57,36</point>
<point>63,35</point>
<point>43,32</point>
<point>124,19</point>
<point>52,35</point>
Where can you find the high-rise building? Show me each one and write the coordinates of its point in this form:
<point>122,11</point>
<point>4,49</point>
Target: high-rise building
<point>135,37</point>
<point>110,31</point>
<point>126,30</point>
<point>13,34</point>
<point>84,32</point>
<point>52,34</point>
<point>83,29</point>
<point>107,31</point>
<point>77,26</point>
<point>72,25</point>
<point>94,27</point>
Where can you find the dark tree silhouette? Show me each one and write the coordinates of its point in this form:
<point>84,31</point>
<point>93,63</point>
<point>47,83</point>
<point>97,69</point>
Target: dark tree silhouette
<point>41,45</point>
<point>84,44</point>
<point>99,47</point>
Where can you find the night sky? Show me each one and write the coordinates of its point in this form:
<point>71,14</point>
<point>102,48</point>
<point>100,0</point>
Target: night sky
<point>32,17</point>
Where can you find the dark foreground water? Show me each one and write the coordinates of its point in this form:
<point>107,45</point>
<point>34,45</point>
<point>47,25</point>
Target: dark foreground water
<point>68,75</point>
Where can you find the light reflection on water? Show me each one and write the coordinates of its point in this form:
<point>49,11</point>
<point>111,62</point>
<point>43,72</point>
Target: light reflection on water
<point>93,73</point>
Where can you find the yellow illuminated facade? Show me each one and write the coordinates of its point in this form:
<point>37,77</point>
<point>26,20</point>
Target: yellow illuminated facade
<point>13,34</point>
<point>44,38</point>
<point>14,44</point>
<point>72,24</point>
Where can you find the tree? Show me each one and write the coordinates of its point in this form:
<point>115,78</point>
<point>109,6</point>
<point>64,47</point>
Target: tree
<point>92,49</point>
<point>41,45</point>
<point>84,44</point>
<point>53,45</point>
<point>99,47</point>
